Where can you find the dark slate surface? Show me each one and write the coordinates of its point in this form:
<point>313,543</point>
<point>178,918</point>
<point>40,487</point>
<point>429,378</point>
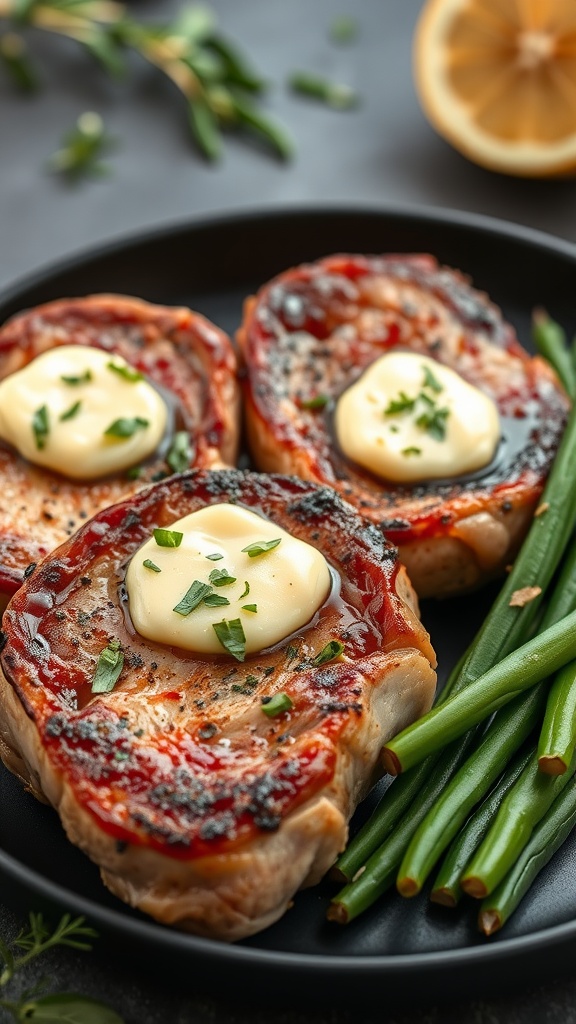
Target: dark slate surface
<point>383,153</point>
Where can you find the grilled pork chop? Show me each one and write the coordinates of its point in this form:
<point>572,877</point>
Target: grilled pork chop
<point>310,333</point>
<point>199,809</point>
<point>190,360</point>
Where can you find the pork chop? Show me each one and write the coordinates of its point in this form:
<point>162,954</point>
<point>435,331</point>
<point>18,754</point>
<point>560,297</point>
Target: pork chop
<point>192,363</point>
<point>199,808</point>
<point>310,333</point>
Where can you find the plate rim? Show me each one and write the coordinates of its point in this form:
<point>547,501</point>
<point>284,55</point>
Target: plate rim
<point>151,932</point>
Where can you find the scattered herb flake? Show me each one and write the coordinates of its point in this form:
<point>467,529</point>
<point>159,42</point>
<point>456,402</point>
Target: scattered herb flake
<point>221,578</point>
<point>231,635</point>
<point>343,29</point>
<point>430,380</point>
<point>250,608</point>
<point>108,668</point>
<point>434,422</point>
<point>82,148</point>
<point>411,451</point>
<point>277,704</point>
<point>291,652</point>
<point>332,650</point>
<point>83,378</point>
<point>334,94</point>
<point>401,404</point>
<point>260,547</point>
<point>134,472</point>
<point>168,538</point>
<point>180,455</point>
<point>246,590</point>
<point>192,598</point>
<point>318,402</point>
<point>215,600</point>
<point>126,426</point>
<point>149,564</point>
<point>71,412</point>
<point>40,426</point>
<point>215,557</point>
<point>128,373</point>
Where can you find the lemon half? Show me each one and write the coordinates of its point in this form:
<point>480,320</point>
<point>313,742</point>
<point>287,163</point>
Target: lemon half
<point>497,79</point>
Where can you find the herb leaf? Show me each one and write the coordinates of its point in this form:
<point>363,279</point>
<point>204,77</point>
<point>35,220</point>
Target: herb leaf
<point>128,373</point>
<point>318,402</point>
<point>215,600</point>
<point>250,608</point>
<point>149,564</point>
<point>168,538</point>
<point>231,635</point>
<point>126,426</point>
<point>430,380</point>
<point>221,578</point>
<point>69,1007</point>
<point>434,422</point>
<point>71,412</point>
<point>215,557</point>
<point>260,547</point>
<point>246,590</point>
<point>82,148</point>
<point>84,378</point>
<point>108,668</point>
<point>277,704</point>
<point>180,455</point>
<point>192,598</point>
<point>411,451</point>
<point>401,404</point>
<point>334,94</point>
<point>332,650</point>
<point>40,426</point>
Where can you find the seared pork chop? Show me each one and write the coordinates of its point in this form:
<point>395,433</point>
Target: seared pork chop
<point>186,357</point>
<point>199,808</point>
<point>312,331</point>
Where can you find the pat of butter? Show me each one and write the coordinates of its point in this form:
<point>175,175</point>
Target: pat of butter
<point>409,418</point>
<point>286,585</point>
<point>57,409</point>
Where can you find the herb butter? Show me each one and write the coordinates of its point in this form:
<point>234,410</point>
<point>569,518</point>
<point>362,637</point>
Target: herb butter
<point>410,418</point>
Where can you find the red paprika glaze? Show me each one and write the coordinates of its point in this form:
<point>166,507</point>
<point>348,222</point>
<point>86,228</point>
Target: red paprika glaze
<point>180,756</point>
<point>311,332</point>
<point>190,360</point>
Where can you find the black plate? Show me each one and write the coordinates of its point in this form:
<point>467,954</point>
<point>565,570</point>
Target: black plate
<point>400,948</point>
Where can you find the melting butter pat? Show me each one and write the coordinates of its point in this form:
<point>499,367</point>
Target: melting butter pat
<point>410,418</point>
<point>56,412</point>
<point>273,594</point>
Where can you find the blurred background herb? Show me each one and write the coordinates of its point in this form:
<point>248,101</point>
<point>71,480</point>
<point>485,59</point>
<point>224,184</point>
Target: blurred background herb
<point>220,88</point>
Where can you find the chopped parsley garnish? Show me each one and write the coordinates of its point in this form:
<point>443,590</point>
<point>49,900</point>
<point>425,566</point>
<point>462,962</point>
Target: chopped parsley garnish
<point>108,668</point>
<point>180,455</point>
<point>215,557</point>
<point>260,547</point>
<point>215,600</point>
<point>332,650</point>
<point>411,451</point>
<point>192,598</point>
<point>221,578</point>
<point>434,422</point>
<point>318,402</point>
<point>430,380</point>
<point>168,538</point>
<point>126,372</point>
<point>40,426</point>
<point>250,608</point>
<point>246,590</point>
<point>126,426</point>
<point>149,564</point>
<point>401,404</point>
<point>231,635</point>
<point>84,378</point>
<point>275,705</point>
<point>71,412</point>
<point>134,472</point>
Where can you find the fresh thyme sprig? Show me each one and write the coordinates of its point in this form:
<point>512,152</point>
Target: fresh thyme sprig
<point>32,1005</point>
<point>219,86</point>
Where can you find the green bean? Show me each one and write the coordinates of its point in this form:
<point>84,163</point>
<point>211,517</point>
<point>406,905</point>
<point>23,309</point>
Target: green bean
<point>446,888</point>
<point>530,664</point>
<point>506,733</point>
<point>522,809</point>
<point>548,835</point>
<point>394,803</point>
<point>379,872</point>
<point>558,734</point>
<point>550,340</point>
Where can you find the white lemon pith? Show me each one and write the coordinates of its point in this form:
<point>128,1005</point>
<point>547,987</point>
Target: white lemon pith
<point>410,418</point>
<point>497,78</point>
<point>273,593</point>
<point>56,412</point>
